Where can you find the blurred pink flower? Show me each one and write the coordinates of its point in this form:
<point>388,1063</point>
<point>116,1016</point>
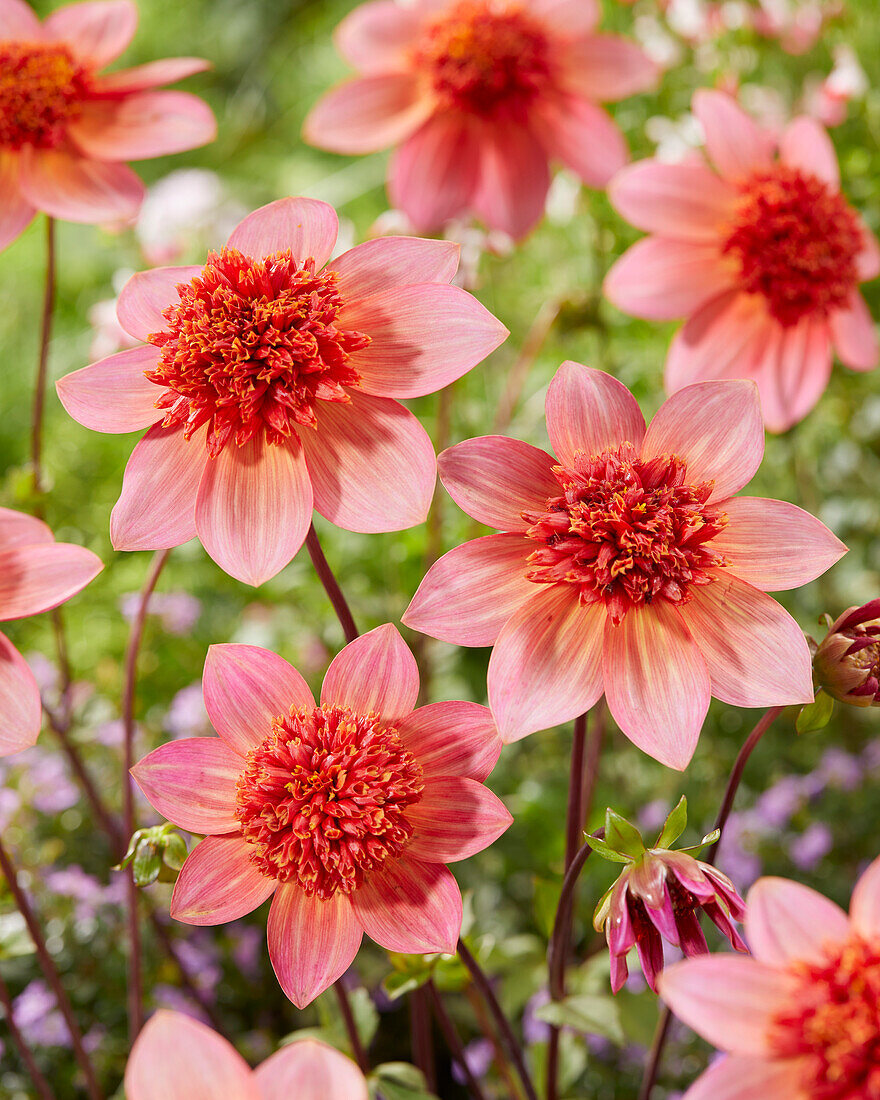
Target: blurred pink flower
<point>269,385</point>
<point>796,24</point>
<point>828,100</point>
<point>188,207</point>
<point>65,129</point>
<point>478,96</point>
<point>762,255</point>
<point>178,1058</point>
<point>650,573</point>
<point>799,1018</point>
<point>346,811</point>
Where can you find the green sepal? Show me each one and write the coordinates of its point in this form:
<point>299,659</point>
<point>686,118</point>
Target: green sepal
<point>816,715</point>
<point>622,837</point>
<point>602,849</point>
<point>675,825</point>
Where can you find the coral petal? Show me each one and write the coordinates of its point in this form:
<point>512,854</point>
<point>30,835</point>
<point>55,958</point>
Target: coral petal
<point>114,394</point>
<point>452,738</point>
<point>141,125</point>
<point>392,262</point>
<point>19,701</point>
<point>788,922</point>
<point>310,1070</point>
<point>368,113</point>
<point>588,410</point>
<point>306,226</point>
<point>36,578</point>
<point>218,883</point>
<point>192,783</point>
<point>374,673</point>
<point>410,906</point>
<point>97,31</point>
<point>455,818</point>
<point>78,189</point>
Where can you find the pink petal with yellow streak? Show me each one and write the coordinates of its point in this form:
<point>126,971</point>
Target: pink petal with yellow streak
<point>452,738</point>
<point>307,227</point>
<point>193,783</point>
<point>114,394</point>
<point>455,818</point>
<point>218,883</point>
<point>19,701</point>
<point>374,673</point>
<point>36,578</point>
<point>588,410</point>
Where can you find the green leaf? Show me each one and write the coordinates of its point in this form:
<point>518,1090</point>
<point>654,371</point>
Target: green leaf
<point>398,984</point>
<point>675,825</point>
<point>621,836</point>
<point>602,849</point>
<point>586,1012</point>
<point>15,940</point>
<point>399,1081</point>
<point>147,863</point>
<point>816,715</point>
<point>174,851</point>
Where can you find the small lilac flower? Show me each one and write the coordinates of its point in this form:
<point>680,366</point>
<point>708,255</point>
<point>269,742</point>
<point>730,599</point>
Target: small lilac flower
<point>809,849</point>
<point>35,1011</point>
<point>479,1056</point>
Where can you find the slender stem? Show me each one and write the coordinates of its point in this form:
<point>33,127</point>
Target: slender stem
<point>657,1044</point>
<point>453,1040</point>
<point>331,585</point>
<point>502,1062</point>
<point>518,374</point>
<point>51,973</point>
<point>24,1051</point>
<point>421,1038</point>
<point>501,1022</point>
<point>557,949</point>
<point>43,362</point>
<point>357,1047</point>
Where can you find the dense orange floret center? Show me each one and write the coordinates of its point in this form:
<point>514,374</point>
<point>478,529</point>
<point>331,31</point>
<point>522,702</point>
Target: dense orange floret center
<point>833,1024</point>
<point>796,241</point>
<point>40,89</point>
<point>626,531</point>
<point>485,60</point>
<point>323,799</point>
<point>252,346</point>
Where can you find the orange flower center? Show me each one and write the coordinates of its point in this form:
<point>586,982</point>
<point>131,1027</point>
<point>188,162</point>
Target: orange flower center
<point>833,1024</point>
<point>626,531</point>
<point>796,241</point>
<point>40,90</point>
<point>251,347</point>
<point>323,798</point>
<point>485,60</point>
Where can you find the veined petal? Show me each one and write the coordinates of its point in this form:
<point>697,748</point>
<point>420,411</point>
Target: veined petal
<point>740,1077</point>
<point>192,783</point>
<point>864,909</point>
<point>788,922</point>
<point>792,371</point>
<point>79,189</point>
<point>662,280</point>
<point>144,124</point>
<point>97,31</point>
<point>147,294</point>
<point>855,335</point>
<point>15,211</point>
<point>218,883</point>
<point>139,78</point>
<point>386,262</point>
<point>377,37</point>
<point>434,175</point>
<point>608,67</point>
<point>18,20</point>
<point>307,227</point>
<point>20,529</point>
<point>455,818</point>
<point>114,394</point>
<point>734,141</point>
<point>36,578</point>
<point>19,701</point>
<point>368,113</point>
<point>569,18</point>
<point>374,673</point>
<point>868,260</point>
<point>805,144</point>
<point>681,201</point>
<point>514,179</point>
<point>584,137</point>
<point>310,1070</point>
<point>452,738</point>
<point>588,410</point>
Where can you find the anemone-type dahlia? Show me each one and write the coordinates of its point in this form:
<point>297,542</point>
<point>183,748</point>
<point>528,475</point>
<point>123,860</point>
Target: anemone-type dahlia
<point>177,1058</point>
<point>269,380</point>
<point>800,1019</point>
<point>478,96</point>
<point>763,255</point>
<point>36,574</point>
<point>346,810</point>
<point>66,129</point>
<point>627,565</point>
<point>847,660</point>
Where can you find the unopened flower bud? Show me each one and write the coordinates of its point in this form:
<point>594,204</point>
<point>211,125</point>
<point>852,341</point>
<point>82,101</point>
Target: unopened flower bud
<point>847,662</point>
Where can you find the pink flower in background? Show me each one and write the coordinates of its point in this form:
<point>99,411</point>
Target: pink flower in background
<point>478,96</point>
<point>65,129</point>
<point>36,574</point>
<point>270,385</point>
<point>800,1018</point>
<point>762,254</point>
<point>626,565</point>
<point>178,1058</point>
<point>346,811</point>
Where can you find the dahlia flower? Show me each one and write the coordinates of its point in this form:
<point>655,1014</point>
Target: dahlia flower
<point>800,1017</point>
<point>847,660</point>
<point>66,129</point>
<point>627,565</point>
<point>478,96</point>
<point>346,810</point>
<point>36,574</point>
<point>761,253</point>
<point>267,383</point>
<point>177,1058</point>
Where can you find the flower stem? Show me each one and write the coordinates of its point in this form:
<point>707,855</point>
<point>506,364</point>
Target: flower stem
<point>43,362</point>
<point>24,1051</point>
<point>357,1047</point>
<point>421,1037</point>
<point>453,1040</point>
<point>331,585</point>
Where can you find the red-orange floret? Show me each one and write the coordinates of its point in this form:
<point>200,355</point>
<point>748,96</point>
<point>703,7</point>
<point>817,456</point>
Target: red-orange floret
<point>41,87</point>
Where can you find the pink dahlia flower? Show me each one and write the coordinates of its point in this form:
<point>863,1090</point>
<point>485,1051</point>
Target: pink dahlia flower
<point>761,253</point>
<point>346,810</point>
<point>269,381</point>
<point>800,1018</point>
<point>66,130</point>
<point>478,96</point>
<point>177,1058</point>
<point>626,565</point>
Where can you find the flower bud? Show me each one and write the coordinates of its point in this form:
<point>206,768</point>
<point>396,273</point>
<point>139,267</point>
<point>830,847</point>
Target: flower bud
<point>847,662</point>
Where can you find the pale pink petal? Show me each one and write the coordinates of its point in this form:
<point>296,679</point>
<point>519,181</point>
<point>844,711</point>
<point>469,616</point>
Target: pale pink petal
<point>454,819</point>
<point>725,338</point>
<point>469,594</point>
<point>309,1070</point>
<point>546,666</point>
<point>39,577</point>
<point>385,262</point>
<point>311,942</point>
<point>157,506</point>
<point>141,125</point>
<point>307,227</point>
<point>739,1077</point>
<point>410,906</point>
<point>245,687</point>
<point>219,883</point>
<point>685,201</point>
<point>755,652</point>
<point>20,529</point>
<point>855,335</point>
<point>19,701</point>
<point>656,682</point>
<point>608,67</point>
<point>192,782</point>
<point>372,464</point>
<point>78,189</point>
<point>452,738</point>
<point>805,144</point>
<point>18,20</point>
<point>434,175</point>
<point>787,922</point>
<point>15,211</point>
<point>376,672</point>
<point>97,31</point>
<point>114,394</point>
<point>254,508</point>
<point>178,1058</point>
<point>569,18</point>
<point>378,37</point>
<point>147,294</point>
<point>588,410</point>
<point>368,113</point>
<point>792,371</point>
<point>775,545</point>
<point>734,141</point>
<point>150,75</point>
<point>584,137</point>
<point>662,280</point>
<point>864,908</point>
<point>868,260</point>
<point>514,179</point>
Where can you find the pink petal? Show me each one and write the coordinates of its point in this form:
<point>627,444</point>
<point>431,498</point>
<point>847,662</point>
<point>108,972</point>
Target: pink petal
<point>371,463</point>
<point>854,335</point>
<point>685,201</point>
<point>378,37</point>
<point>20,529</point>
<point>656,682</point>
<point>368,113</point>
<point>608,67</point>
<point>734,141</point>
<point>19,701</point>
<point>469,594</point>
<point>254,508</point>
<point>455,818</point>
<point>434,175</point>
<point>310,1070</point>
<point>141,77</point>
<point>739,1077</point>
<point>374,673</point>
<point>662,280</point>
<point>723,339</point>
<point>775,545</point>
<point>142,125</point>
<point>792,371</point>
<point>218,883</point>
<point>15,211</point>
<point>39,577</point>
<point>787,922</point>
<point>514,180</point>
<point>157,506</point>
<point>114,394</point>
<point>311,942</point>
<point>864,908</point>
<point>496,479</point>
<point>245,687</point>
<point>192,783</point>
<point>78,189</point>
<point>584,137</point>
<point>755,652</point>
<point>868,260</point>
<point>18,20</point>
<point>568,18</point>
<point>306,226</point>
<point>385,262</point>
<point>717,428</point>
<point>97,31</point>
<point>410,906</point>
<point>452,738</point>
<point>147,294</point>
<point>805,144</point>
<point>546,666</point>
<point>588,410</point>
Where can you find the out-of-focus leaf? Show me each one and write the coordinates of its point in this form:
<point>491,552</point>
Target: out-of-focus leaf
<point>15,940</point>
<point>399,1081</point>
<point>816,715</point>
<point>586,1012</point>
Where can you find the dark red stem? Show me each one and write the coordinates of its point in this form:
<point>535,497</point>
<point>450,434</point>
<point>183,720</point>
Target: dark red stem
<point>331,585</point>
